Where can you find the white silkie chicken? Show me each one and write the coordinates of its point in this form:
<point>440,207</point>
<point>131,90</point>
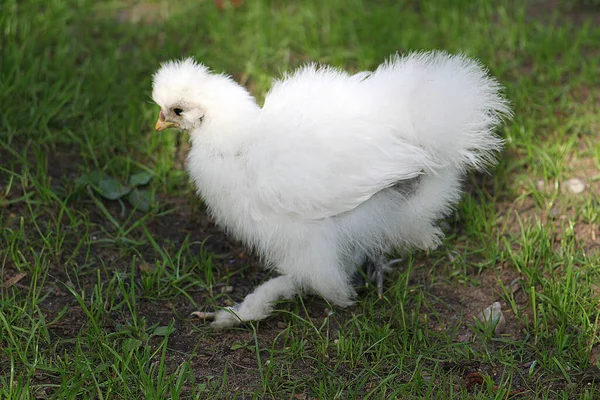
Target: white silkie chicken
<point>336,169</point>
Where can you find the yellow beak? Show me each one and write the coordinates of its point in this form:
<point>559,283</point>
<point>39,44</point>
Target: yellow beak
<point>161,123</point>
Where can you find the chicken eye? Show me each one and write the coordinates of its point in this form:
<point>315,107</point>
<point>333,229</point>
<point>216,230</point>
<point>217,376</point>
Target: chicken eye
<point>178,111</point>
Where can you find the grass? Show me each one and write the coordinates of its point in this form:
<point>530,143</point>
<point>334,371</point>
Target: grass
<point>97,294</point>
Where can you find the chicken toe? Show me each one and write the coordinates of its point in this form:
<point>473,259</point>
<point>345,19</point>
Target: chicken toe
<point>374,270</point>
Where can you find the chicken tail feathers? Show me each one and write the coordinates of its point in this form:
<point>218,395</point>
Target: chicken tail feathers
<point>453,105</point>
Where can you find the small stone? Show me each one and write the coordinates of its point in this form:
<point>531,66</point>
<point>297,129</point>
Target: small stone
<point>281,325</point>
<point>575,185</point>
<point>540,184</point>
<point>527,365</point>
<point>493,316</point>
<point>227,289</point>
<point>426,376</point>
<point>464,337</point>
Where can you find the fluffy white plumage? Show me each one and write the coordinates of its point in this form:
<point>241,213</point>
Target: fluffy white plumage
<point>335,168</point>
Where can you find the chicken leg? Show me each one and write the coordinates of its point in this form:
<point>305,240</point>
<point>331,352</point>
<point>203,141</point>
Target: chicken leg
<point>374,270</point>
<point>256,306</point>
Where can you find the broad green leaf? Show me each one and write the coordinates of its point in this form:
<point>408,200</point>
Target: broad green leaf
<point>241,345</point>
<point>131,344</point>
<point>111,189</point>
<point>163,330</point>
<point>141,199</point>
<point>140,179</point>
<point>93,178</point>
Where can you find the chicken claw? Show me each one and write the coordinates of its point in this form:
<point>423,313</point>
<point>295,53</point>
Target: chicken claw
<point>375,271</point>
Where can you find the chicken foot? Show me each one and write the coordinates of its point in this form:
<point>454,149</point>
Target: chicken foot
<point>256,306</point>
<point>374,270</point>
